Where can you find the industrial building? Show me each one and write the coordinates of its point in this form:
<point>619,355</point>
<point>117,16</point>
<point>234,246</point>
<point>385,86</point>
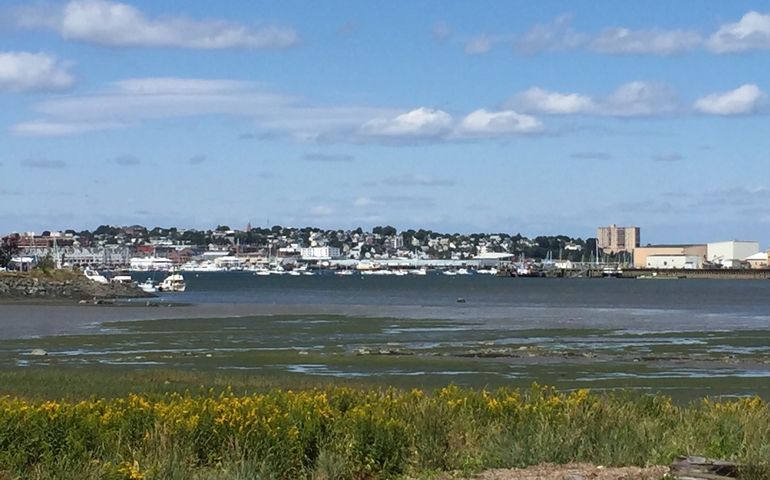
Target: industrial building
<point>688,254</point>
<point>677,261</point>
<point>759,260</point>
<point>614,239</point>
<point>731,254</point>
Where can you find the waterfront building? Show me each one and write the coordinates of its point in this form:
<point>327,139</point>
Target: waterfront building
<point>151,264</point>
<point>641,253</point>
<point>614,239</point>
<point>31,240</point>
<point>674,261</point>
<point>758,260</point>
<point>320,253</point>
<point>731,254</point>
<point>111,257</point>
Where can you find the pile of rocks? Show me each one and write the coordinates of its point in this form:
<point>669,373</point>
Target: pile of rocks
<point>75,287</point>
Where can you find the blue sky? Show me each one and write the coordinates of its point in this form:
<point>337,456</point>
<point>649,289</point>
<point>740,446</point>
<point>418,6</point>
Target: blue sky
<point>532,117</point>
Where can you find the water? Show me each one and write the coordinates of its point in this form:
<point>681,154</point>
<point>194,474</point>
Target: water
<point>529,302</point>
<point>686,337</point>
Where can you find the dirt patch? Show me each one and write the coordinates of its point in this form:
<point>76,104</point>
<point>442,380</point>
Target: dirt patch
<point>577,471</point>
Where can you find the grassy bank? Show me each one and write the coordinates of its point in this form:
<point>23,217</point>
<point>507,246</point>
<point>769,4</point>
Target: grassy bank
<point>336,433</point>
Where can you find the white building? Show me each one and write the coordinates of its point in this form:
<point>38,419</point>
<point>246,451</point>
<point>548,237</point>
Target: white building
<point>758,260</point>
<point>150,264</point>
<point>229,263</point>
<point>731,253</point>
<point>320,253</point>
<point>674,261</point>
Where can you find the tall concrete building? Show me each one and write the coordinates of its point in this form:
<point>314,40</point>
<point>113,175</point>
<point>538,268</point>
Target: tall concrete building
<point>614,239</point>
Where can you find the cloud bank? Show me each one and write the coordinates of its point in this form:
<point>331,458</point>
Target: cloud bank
<point>115,24</point>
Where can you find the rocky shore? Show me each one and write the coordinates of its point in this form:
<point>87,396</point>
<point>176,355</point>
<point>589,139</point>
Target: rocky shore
<point>63,286</point>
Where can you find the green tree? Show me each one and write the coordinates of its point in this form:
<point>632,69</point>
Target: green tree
<point>46,264</point>
<point>8,248</point>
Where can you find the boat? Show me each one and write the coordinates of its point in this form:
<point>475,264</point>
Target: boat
<point>148,286</point>
<point>95,276</point>
<point>173,283</point>
<point>344,273</point>
<point>418,271</point>
<point>450,273</point>
<point>487,271</point>
<point>122,279</point>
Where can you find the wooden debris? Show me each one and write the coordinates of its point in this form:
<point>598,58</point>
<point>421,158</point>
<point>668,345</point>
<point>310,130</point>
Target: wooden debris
<point>701,468</point>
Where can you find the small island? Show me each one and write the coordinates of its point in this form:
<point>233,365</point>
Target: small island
<point>61,285</point>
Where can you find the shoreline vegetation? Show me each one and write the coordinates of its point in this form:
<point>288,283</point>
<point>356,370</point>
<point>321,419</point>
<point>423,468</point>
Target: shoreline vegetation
<point>338,432</point>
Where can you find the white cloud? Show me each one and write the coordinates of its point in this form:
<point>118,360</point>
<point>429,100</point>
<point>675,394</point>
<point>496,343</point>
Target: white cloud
<point>548,37</point>
<point>540,100</point>
<point>479,44</point>
<point>413,180</point>
<point>322,211</point>
<point>751,32</point>
<point>363,202</point>
<point>651,42</point>
<point>633,99</point>
<point>421,122</point>
<point>180,86</point>
<point>45,128</point>
<point>485,123</point>
<point>30,72</point>
<point>110,23</point>
<point>640,99</point>
<point>744,100</point>
<point>441,32</point>
<point>133,102</point>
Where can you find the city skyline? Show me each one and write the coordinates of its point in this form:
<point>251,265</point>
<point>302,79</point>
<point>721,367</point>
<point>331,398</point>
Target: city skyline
<point>445,116</point>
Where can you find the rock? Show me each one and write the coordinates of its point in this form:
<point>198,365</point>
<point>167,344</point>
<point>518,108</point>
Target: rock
<point>38,352</point>
<point>701,468</point>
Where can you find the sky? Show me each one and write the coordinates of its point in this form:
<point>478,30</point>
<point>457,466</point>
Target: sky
<point>485,116</point>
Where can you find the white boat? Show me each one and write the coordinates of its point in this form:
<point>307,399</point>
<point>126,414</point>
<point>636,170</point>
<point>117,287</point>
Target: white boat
<point>344,273</point>
<point>450,273</point>
<point>294,273</point>
<point>122,279</point>
<point>487,271</point>
<point>95,276</point>
<point>173,283</point>
<point>148,286</point>
<point>418,271</point>
<point>464,271</point>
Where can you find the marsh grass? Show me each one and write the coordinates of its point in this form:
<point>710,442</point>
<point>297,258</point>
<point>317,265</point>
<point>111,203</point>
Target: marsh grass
<point>337,433</point>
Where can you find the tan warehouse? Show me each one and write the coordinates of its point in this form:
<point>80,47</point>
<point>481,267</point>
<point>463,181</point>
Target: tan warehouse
<point>649,256</point>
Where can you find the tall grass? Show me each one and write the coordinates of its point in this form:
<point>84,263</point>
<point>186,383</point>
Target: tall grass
<point>341,433</point>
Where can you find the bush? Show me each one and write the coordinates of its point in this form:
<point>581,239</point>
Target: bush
<point>347,433</point>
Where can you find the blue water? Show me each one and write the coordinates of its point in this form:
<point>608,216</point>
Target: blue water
<point>529,302</point>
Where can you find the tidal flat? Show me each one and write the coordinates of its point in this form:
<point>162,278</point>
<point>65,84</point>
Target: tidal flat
<point>292,350</point>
